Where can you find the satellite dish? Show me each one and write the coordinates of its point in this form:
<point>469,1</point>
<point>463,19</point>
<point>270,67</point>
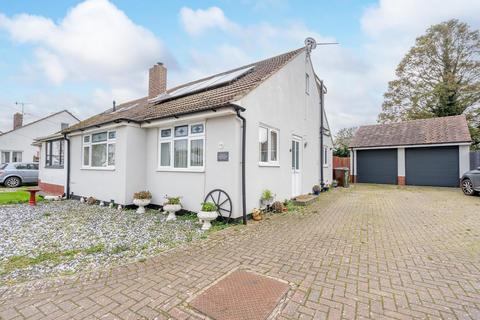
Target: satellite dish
<point>310,44</point>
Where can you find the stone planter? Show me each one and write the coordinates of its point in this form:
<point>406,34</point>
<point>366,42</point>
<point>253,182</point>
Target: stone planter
<point>141,204</point>
<point>207,217</point>
<point>267,202</point>
<point>171,209</point>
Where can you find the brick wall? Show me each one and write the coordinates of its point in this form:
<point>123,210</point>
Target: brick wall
<point>49,188</point>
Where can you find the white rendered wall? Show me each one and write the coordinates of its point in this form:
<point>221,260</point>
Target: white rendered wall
<point>464,159</point>
<point>281,102</point>
<point>22,138</point>
<point>103,184</point>
<point>221,134</point>
<point>56,176</point>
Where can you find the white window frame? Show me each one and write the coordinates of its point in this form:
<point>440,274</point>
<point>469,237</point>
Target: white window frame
<point>325,156</point>
<point>10,155</point>
<point>189,137</point>
<point>307,83</point>
<point>269,162</point>
<point>90,143</point>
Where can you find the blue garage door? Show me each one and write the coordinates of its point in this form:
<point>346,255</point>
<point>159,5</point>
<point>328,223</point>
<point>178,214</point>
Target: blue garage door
<point>435,166</point>
<point>377,166</point>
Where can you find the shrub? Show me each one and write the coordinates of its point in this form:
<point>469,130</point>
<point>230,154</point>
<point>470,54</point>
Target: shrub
<point>267,195</point>
<point>316,189</point>
<point>173,200</point>
<point>142,195</point>
<point>209,207</point>
<point>277,207</point>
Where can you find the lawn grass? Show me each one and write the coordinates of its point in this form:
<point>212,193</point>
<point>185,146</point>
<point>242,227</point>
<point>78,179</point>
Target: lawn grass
<point>15,197</point>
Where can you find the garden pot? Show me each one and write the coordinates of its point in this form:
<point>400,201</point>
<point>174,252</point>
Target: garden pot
<point>171,209</point>
<point>141,204</point>
<point>207,217</point>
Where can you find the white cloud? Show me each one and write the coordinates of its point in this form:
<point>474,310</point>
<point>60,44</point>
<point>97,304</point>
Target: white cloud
<point>196,22</point>
<point>95,48</point>
<point>95,41</point>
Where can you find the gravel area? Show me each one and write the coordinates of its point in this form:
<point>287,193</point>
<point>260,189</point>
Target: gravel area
<point>63,237</point>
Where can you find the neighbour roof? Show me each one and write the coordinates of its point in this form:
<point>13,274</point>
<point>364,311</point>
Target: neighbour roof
<point>145,109</point>
<point>452,129</point>
<point>49,116</point>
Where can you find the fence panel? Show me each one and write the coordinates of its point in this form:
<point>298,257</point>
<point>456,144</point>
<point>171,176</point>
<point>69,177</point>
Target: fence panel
<point>341,162</point>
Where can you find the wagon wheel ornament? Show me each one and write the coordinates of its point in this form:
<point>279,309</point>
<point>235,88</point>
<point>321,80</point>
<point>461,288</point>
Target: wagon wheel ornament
<point>223,202</point>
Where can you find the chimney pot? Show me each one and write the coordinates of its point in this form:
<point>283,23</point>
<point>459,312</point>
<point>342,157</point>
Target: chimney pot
<point>17,120</point>
<point>157,82</point>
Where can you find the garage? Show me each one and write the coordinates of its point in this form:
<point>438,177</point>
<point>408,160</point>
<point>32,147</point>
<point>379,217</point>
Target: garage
<point>377,166</point>
<point>425,152</point>
<point>435,166</point>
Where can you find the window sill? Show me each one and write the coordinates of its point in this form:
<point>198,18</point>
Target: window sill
<point>98,169</point>
<point>266,164</point>
<point>325,165</point>
<point>201,170</point>
<point>53,167</point>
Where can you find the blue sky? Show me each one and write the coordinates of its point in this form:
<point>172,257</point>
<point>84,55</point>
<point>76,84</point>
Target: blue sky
<point>81,55</point>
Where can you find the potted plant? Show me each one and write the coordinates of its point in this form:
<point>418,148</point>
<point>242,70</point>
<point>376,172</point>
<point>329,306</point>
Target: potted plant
<point>316,189</point>
<point>142,199</point>
<point>207,214</point>
<point>172,205</point>
<point>256,214</point>
<point>267,197</point>
<point>334,183</point>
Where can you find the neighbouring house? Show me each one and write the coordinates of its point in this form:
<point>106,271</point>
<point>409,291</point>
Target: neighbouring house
<point>427,152</point>
<point>242,131</point>
<point>16,144</point>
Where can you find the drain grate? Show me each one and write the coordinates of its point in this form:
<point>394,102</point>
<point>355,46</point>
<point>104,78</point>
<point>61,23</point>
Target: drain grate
<point>240,296</point>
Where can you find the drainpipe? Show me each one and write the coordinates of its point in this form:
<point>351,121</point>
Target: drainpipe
<point>322,182</point>
<point>244,136</point>
<point>67,187</point>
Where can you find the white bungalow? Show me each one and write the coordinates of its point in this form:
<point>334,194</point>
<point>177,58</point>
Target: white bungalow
<point>242,131</point>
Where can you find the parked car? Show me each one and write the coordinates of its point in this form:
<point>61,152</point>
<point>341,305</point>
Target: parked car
<point>471,182</point>
<point>15,174</point>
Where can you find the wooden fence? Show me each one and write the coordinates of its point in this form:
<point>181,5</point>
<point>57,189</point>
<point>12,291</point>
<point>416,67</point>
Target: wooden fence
<point>341,162</point>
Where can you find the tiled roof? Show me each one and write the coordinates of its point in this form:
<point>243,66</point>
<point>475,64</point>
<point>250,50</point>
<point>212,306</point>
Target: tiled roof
<point>144,109</point>
<point>452,129</point>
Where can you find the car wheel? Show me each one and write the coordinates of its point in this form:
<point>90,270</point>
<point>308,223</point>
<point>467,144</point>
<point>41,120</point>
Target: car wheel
<point>467,187</point>
<point>13,182</point>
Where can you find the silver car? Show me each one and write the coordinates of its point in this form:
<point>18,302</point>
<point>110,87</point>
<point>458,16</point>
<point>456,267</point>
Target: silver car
<point>471,182</point>
<point>15,174</point>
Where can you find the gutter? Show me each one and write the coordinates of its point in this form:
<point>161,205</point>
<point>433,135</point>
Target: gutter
<point>322,181</point>
<point>67,187</point>
<point>244,135</point>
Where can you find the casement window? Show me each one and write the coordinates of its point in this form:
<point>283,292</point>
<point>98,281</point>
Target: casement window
<point>307,83</point>
<point>325,156</point>
<point>268,139</point>
<point>54,154</point>
<point>182,147</point>
<point>11,156</point>
<point>99,150</point>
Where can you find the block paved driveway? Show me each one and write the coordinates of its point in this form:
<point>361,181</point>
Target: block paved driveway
<point>367,252</point>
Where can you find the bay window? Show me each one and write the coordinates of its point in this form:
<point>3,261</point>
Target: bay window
<point>182,147</point>
<point>268,142</point>
<point>54,154</point>
<point>99,150</point>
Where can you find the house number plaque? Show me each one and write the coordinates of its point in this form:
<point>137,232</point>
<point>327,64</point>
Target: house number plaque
<point>222,156</point>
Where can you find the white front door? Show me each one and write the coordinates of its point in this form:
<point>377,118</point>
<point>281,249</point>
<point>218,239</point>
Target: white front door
<point>296,166</point>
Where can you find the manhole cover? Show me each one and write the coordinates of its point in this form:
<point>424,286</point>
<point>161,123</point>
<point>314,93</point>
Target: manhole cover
<point>241,295</point>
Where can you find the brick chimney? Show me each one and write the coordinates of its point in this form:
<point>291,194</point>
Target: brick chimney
<point>17,120</point>
<point>157,81</point>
